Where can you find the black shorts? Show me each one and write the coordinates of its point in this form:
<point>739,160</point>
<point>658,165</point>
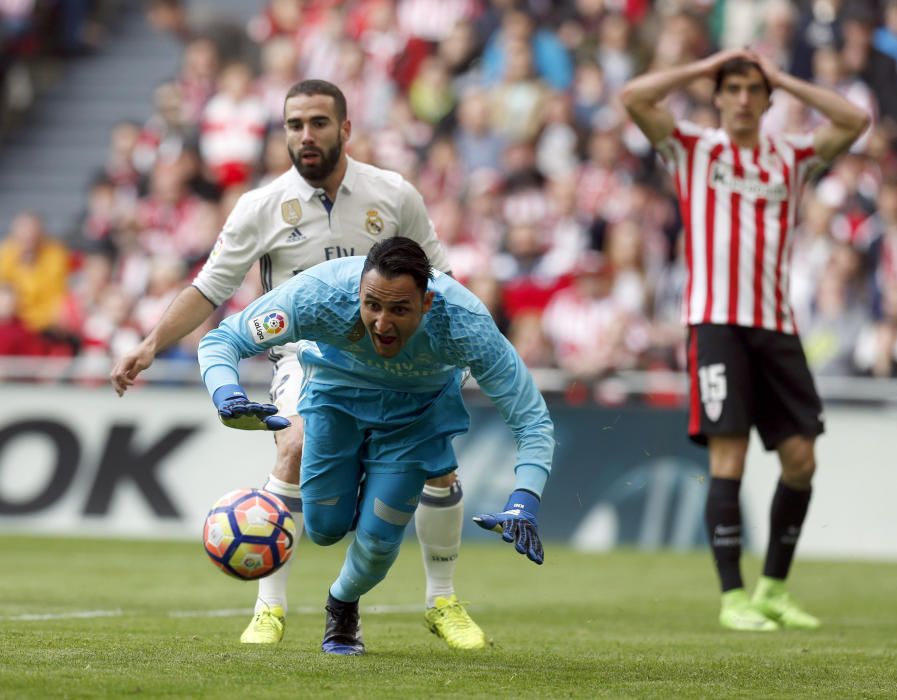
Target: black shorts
<point>741,377</point>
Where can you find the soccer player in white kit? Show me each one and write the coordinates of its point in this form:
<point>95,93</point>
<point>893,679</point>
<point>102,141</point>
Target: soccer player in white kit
<point>328,206</point>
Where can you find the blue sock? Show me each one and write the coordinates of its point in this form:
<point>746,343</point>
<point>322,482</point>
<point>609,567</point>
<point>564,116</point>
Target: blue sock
<point>367,561</point>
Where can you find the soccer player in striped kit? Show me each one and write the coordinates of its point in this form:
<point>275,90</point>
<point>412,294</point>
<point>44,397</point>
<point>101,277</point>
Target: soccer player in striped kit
<point>328,206</point>
<point>738,191</point>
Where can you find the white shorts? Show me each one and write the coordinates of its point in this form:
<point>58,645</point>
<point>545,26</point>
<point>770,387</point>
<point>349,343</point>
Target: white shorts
<point>285,385</point>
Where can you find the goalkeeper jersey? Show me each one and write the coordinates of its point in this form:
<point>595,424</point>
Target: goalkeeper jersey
<point>321,308</point>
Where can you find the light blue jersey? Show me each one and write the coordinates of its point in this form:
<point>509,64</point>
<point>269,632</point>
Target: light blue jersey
<point>322,305</point>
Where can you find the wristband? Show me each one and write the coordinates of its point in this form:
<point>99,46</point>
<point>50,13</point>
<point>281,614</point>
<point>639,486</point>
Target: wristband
<point>228,391</point>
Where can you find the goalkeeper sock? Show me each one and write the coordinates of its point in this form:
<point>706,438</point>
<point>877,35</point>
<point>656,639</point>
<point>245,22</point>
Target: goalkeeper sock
<point>367,560</point>
<point>438,521</point>
<point>273,588</point>
<point>789,508</point>
<point>723,517</point>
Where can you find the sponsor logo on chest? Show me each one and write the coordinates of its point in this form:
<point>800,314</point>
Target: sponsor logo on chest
<point>404,369</point>
<point>332,252</point>
<point>722,177</point>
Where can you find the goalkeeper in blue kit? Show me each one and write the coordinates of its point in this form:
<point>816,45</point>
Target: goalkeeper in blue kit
<point>383,342</point>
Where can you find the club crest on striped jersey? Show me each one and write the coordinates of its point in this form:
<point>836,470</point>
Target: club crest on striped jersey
<point>291,211</point>
<point>374,222</point>
<point>270,324</point>
<point>772,161</point>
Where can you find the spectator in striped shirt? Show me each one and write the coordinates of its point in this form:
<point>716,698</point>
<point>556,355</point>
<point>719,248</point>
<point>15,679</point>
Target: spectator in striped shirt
<point>738,191</point>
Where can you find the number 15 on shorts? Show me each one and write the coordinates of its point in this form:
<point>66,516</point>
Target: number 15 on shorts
<point>712,379</point>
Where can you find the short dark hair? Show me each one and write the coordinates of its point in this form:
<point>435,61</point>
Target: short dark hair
<point>739,66</point>
<point>320,87</point>
<point>399,256</point>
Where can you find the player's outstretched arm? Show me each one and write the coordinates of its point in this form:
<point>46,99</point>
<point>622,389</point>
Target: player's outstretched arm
<point>847,122</point>
<point>504,378</point>
<point>276,318</point>
<point>642,96</point>
<point>187,311</point>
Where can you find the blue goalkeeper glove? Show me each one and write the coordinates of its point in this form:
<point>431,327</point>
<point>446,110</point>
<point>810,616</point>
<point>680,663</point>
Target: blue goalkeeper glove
<point>236,411</point>
<point>517,524</point>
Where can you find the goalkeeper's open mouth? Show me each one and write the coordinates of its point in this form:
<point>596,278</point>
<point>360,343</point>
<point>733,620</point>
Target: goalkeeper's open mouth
<point>385,339</point>
<point>386,345</point>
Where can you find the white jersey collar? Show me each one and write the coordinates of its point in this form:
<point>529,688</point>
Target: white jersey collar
<point>307,191</point>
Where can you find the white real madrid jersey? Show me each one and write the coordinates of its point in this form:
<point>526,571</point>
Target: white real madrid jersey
<point>289,226</point>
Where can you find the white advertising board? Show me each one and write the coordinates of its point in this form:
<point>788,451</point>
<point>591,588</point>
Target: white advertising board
<point>80,461</point>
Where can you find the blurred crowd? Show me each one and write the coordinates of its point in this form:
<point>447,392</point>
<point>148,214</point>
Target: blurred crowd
<point>35,36</point>
<point>552,205</point>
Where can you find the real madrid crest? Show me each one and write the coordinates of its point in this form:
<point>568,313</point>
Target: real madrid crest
<point>357,332</point>
<point>374,222</point>
<point>291,211</point>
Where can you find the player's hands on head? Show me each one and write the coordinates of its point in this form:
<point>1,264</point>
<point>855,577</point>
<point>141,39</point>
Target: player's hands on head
<point>517,523</point>
<point>770,69</point>
<point>237,411</point>
<point>713,62</point>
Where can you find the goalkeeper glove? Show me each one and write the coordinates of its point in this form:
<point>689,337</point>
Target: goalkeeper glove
<point>517,523</point>
<point>236,411</point>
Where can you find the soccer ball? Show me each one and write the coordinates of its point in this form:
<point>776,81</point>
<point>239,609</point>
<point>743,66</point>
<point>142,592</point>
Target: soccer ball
<point>249,534</point>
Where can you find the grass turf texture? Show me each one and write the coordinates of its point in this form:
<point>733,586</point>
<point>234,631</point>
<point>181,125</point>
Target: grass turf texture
<point>622,624</point>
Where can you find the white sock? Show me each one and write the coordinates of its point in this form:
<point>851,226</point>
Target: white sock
<point>438,522</point>
<point>273,588</point>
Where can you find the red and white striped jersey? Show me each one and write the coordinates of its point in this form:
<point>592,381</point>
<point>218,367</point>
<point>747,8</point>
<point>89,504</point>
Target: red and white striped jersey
<point>739,207</point>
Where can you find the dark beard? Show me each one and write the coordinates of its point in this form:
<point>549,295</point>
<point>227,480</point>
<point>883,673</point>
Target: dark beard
<point>320,171</point>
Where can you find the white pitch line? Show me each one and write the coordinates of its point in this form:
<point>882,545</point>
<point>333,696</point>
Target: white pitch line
<point>34,617</point>
<point>300,609</point>
<point>223,612</point>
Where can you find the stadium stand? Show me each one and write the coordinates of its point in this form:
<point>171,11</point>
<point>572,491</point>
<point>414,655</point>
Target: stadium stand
<point>506,115</point>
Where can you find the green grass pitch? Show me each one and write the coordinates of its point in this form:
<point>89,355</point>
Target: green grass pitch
<point>163,622</point>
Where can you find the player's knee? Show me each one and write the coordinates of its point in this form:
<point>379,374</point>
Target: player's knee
<point>727,456</point>
<point>798,462</point>
<point>799,471</point>
<point>324,539</point>
<point>322,527</point>
<point>289,453</point>
<point>289,441</point>
<point>730,466</point>
<point>444,481</point>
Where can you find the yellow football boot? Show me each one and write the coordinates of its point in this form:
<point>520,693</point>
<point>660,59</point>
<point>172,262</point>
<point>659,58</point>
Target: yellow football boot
<point>771,599</point>
<point>266,627</point>
<point>448,619</point>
